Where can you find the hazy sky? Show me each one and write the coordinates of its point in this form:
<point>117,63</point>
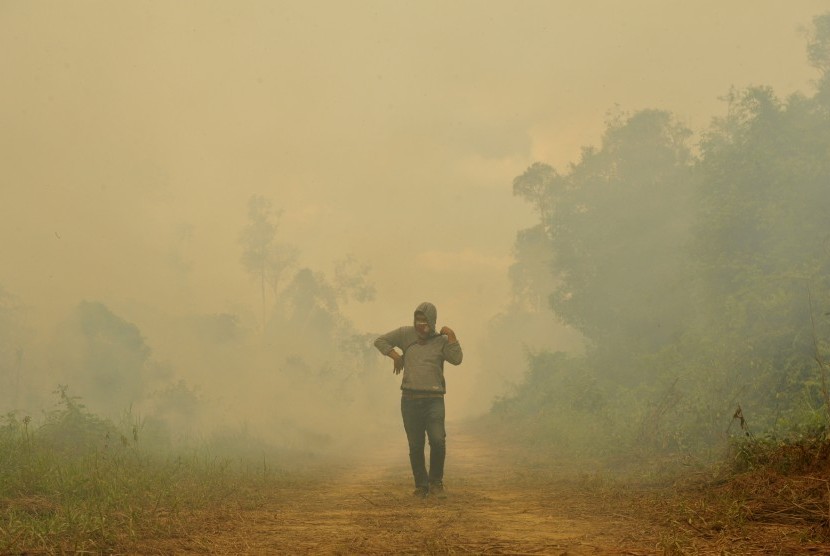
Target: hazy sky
<point>133,134</point>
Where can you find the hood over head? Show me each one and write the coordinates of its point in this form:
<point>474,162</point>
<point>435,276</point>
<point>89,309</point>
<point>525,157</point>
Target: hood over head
<point>430,312</point>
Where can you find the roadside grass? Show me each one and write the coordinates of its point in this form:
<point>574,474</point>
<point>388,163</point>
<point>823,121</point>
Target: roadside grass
<point>770,496</point>
<point>783,481</point>
<point>77,483</point>
<point>778,505</point>
<point>760,495</point>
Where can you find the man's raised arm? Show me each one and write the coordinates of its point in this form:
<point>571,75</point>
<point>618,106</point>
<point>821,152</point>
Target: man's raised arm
<point>452,350</point>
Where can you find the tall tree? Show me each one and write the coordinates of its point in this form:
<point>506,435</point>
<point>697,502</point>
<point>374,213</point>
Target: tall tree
<point>619,230</point>
<point>531,276</point>
<point>701,282</point>
<point>105,359</point>
<point>762,241</point>
<point>818,53</point>
<point>263,257</point>
<point>351,280</point>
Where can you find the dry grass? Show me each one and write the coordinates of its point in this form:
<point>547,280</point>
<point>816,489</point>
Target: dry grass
<point>775,499</point>
<point>119,499</point>
<point>66,487</point>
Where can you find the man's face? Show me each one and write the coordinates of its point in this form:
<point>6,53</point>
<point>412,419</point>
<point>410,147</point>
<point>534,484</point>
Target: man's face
<point>421,326</point>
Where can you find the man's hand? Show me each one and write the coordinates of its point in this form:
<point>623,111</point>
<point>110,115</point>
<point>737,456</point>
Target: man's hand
<point>397,367</point>
<point>448,332</point>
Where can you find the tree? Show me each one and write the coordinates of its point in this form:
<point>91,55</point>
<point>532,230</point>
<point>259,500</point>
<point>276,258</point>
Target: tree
<point>818,53</point>
<point>531,276</point>
<point>351,280</point>
<point>262,256</point>
<point>761,244</point>
<point>539,185</point>
<point>700,282</point>
<point>618,234</point>
<point>526,324</point>
<point>105,359</point>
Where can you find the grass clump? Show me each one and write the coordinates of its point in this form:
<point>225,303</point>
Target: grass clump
<point>783,480</point>
<point>76,482</point>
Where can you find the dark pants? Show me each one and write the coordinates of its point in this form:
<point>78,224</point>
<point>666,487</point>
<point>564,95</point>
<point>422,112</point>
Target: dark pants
<point>425,416</point>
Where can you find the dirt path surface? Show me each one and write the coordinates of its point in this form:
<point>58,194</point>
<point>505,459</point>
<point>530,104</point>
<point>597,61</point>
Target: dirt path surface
<point>369,509</point>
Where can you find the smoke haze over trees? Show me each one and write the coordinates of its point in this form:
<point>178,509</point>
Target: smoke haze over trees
<point>209,210</point>
<point>699,278</point>
<point>235,243</point>
<point>298,373</point>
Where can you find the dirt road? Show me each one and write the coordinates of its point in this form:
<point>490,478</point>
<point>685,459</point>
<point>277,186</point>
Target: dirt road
<point>369,509</point>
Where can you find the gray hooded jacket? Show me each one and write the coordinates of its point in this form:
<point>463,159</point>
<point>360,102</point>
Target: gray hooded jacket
<point>423,360</point>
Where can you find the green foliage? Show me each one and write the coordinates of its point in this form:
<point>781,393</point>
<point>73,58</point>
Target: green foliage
<point>539,186</point>
<point>79,483</point>
<point>818,53</point>
<point>800,453</point>
<point>105,358</point>
<point>71,429</point>
<point>700,284</point>
<point>818,46</point>
<point>560,403</point>
<point>762,263</point>
<point>531,279</point>
<point>618,238</point>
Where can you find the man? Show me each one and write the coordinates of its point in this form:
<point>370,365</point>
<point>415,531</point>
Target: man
<point>423,352</point>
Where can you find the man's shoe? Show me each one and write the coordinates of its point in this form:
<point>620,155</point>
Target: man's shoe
<point>420,492</point>
<point>437,490</point>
